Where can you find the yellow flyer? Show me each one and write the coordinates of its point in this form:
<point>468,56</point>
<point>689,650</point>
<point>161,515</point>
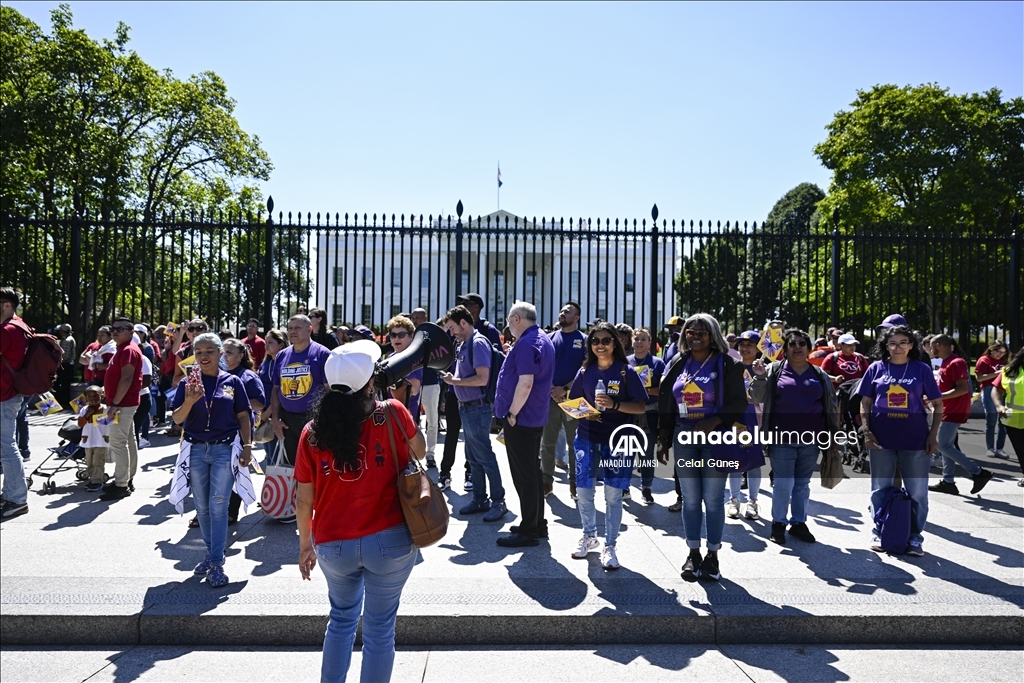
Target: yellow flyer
<point>646,376</point>
<point>48,405</point>
<point>501,437</point>
<point>578,408</point>
<point>77,403</point>
<point>771,342</point>
<point>191,360</point>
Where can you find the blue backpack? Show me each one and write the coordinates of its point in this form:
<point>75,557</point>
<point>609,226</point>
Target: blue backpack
<point>893,521</point>
<point>497,360</point>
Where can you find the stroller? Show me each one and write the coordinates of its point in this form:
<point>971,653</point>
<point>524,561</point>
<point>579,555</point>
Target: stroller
<point>849,414</point>
<point>69,456</point>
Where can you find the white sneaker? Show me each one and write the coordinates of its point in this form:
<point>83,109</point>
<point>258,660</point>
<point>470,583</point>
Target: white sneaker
<point>751,509</point>
<point>143,443</point>
<point>586,544</point>
<point>608,559</point>
<point>1001,454</point>
<point>732,509</point>
<point>626,495</point>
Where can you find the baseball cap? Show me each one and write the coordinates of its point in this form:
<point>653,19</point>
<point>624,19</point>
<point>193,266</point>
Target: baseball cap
<point>833,331</point>
<point>141,329</point>
<point>848,339</point>
<point>472,297</point>
<point>364,331</point>
<point>674,320</point>
<point>352,365</point>
<point>750,335</point>
<point>893,320</point>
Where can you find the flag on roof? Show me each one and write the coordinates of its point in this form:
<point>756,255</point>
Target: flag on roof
<point>499,175</point>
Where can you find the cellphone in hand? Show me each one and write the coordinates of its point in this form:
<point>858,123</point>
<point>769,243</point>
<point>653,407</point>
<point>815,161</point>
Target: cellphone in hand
<point>194,378</point>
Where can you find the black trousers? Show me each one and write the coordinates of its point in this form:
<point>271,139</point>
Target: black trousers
<point>1016,437</point>
<point>62,391</point>
<point>452,425</point>
<point>523,447</point>
<point>294,422</point>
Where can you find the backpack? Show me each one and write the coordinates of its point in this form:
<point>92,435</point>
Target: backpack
<point>497,360</point>
<point>38,372</point>
<point>893,521</point>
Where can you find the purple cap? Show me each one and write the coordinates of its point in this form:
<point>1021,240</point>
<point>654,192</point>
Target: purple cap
<point>750,335</point>
<point>364,331</point>
<point>893,320</point>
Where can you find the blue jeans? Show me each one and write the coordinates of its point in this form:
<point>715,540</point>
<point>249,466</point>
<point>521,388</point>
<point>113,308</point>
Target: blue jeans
<point>753,484</point>
<point>700,485</point>
<point>793,467</point>
<point>992,423</point>
<point>951,455</point>
<point>211,479</point>
<point>364,575</point>
<point>612,512</point>
<point>476,427</point>
<point>14,489</point>
<point>914,469</point>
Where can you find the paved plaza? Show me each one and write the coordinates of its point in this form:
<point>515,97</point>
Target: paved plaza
<point>115,579</point>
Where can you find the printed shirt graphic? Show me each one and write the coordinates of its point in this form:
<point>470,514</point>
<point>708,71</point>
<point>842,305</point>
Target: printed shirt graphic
<point>361,499</point>
<point>697,391</point>
<point>898,417</point>
<point>598,430</point>
<point>94,433</point>
<point>300,375</point>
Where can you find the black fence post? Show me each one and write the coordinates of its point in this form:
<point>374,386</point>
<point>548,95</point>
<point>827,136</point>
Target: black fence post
<point>1015,276</point>
<point>268,269</point>
<point>458,249</point>
<point>76,319</point>
<point>655,326</point>
<point>835,268</point>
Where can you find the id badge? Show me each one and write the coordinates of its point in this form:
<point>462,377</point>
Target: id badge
<point>683,410</point>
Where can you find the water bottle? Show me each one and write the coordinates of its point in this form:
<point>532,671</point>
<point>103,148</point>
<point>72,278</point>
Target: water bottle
<point>599,390</point>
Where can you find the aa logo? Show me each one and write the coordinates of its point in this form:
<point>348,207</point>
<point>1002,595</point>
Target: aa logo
<point>628,441</point>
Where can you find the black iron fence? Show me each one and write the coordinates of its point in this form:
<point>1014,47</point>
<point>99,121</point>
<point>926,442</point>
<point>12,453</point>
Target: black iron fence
<point>366,268</point>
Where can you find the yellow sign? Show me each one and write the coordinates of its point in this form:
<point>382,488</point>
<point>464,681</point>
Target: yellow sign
<point>898,398</point>
<point>693,396</point>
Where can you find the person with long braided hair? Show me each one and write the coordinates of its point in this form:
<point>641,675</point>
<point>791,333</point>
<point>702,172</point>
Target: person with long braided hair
<point>348,512</point>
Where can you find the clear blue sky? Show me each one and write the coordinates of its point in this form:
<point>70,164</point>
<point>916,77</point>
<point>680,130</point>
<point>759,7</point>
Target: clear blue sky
<point>595,110</point>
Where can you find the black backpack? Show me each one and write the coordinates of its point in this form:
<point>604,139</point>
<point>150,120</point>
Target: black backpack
<point>497,360</point>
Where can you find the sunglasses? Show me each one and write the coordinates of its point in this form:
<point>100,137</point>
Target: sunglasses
<point>602,341</point>
<point>696,333</point>
<point>798,342</point>
<point>398,335</point>
<point>121,328</point>
<point>197,328</point>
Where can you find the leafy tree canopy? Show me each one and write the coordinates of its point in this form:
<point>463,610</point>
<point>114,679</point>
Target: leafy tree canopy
<point>922,156</point>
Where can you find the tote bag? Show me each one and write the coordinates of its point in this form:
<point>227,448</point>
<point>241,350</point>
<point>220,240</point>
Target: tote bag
<point>277,499</point>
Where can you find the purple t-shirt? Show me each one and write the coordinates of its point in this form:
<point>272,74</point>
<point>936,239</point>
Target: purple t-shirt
<point>533,354</point>
<point>214,417</point>
<point>898,417</point>
<point>655,370</point>
<point>300,376</point>
<point>598,431</point>
<point>463,367</point>
<point>797,401</point>
<point>696,386</point>
<point>570,352</point>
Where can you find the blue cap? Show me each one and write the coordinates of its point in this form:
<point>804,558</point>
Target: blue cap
<point>893,320</point>
<point>750,335</point>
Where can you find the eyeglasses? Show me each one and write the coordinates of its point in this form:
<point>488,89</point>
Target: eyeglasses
<point>197,328</point>
<point>400,334</point>
<point>898,345</point>
<point>121,328</point>
<point>799,343</point>
<point>601,341</point>
<point>315,315</point>
<point>696,333</point>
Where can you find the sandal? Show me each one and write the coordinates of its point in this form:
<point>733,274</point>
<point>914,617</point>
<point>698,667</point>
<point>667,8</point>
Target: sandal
<point>216,577</point>
<point>194,522</point>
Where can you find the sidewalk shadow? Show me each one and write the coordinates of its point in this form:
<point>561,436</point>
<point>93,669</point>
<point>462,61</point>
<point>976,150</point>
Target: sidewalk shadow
<point>864,569</point>
<point>160,511</point>
<point>276,544</point>
<point>997,506</point>
<point>545,580</point>
<point>1004,556</point>
<point>83,511</point>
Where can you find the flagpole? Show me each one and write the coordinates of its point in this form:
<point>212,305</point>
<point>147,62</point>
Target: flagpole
<point>499,184</point>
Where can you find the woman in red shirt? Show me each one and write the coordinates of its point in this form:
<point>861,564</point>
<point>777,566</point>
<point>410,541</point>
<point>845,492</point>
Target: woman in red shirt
<point>985,371</point>
<point>348,512</point>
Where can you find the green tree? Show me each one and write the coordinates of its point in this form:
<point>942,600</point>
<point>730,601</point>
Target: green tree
<point>708,276</point>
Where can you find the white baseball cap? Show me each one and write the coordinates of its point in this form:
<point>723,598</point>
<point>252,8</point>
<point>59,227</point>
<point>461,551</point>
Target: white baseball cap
<point>352,364</point>
<point>848,339</point>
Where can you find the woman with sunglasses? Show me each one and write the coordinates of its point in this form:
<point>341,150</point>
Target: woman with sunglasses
<point>609,383</point>
<point>707,393</point>
<point>797,398</point>
<point>184,338</point>
<point>895,392</point>
<point>321,333</point>
<point>400,329</point>
<point>214,412</point>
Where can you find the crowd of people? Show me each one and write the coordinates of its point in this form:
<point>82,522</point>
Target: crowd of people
<point>314,387</point>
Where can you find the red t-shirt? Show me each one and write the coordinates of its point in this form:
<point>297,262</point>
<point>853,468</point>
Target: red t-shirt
<point>257,348</point>
<point>353,504</point>
<point>848,367</point>
<point>167,365</point>
<point>88,374</point>
<point>954,409</point>
<point>13,345</point>
<point>986,365</point>
<point>129,354</point>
